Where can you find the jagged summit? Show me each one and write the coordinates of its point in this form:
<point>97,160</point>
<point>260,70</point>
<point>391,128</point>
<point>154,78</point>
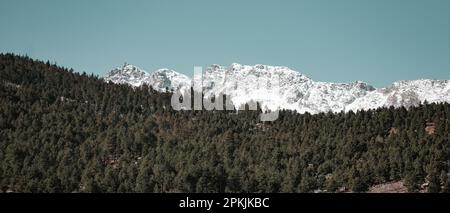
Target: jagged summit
<point>164,79</point>
<point>127,69</point>
<point>161,80</point>
<point>127,74</point>
<point>404,93</point>
<point>242,84</point>
<point>262,69</point>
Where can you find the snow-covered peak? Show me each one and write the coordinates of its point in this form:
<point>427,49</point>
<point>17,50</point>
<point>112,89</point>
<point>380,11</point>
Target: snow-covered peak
<point>127,74</point>
<point>161,80</point>
<point>261,69</point>
<point>404,93</point>
<point>279,87</point>
<point>127,69</point>
<point>167,79</point>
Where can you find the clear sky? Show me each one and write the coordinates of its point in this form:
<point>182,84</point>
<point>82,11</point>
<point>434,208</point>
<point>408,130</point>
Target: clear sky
<point>377,41</point>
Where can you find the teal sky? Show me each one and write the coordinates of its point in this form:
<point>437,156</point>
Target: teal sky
<point>377,41</point>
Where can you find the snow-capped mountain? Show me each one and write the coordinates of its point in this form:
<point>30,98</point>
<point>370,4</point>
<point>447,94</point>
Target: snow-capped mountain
<point>295,91</point>
<point>128,74</point>
<point>166,79</point>
<point>161,80</point>
<point>404,93</point>
<point>278,87</point>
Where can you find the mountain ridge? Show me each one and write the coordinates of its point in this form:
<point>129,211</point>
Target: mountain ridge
<point>293,90</point>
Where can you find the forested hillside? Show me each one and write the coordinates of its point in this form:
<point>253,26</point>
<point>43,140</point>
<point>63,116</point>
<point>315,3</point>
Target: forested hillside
<point>61,131</point>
